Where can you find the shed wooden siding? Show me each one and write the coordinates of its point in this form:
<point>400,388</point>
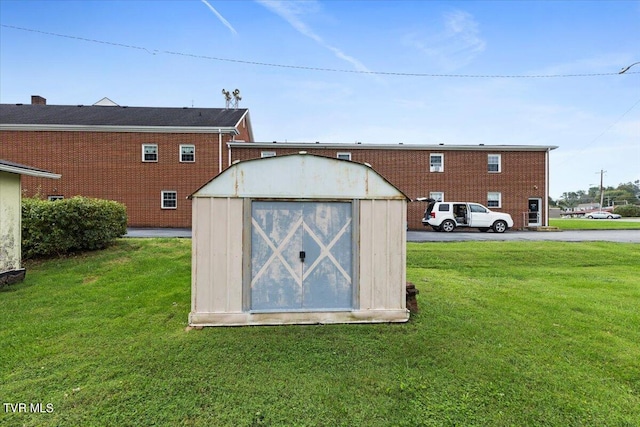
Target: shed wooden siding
<point>217,255</point>
<point>382,254</point>
<point>217,266</point>
<point>10,222</point>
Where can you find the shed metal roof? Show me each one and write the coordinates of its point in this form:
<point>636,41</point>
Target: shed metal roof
<point>300,176</point>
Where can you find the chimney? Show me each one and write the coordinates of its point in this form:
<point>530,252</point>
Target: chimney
<point>38,100</point>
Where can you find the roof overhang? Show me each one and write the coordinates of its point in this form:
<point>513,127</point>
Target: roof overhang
<point>111,128</point>
<point>357,146</point>
<point>26,170</point>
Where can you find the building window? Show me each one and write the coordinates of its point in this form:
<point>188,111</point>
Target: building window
<point>187,153</point>
<point>54,198</point>
<point>438,196</point>
<point>344,156</point>
<point>494,163</point>
<point>149,153</point>
<point>267,154</point>
<point>494,200</point>
<point>436,163</point>
<point>169,200</point>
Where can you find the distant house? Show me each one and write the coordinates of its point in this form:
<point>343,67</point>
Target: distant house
<point>11,217</point>
<point>148,158</point>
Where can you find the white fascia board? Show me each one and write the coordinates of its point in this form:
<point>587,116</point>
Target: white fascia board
<point>30,172</point>
<point>351,146</point>
<point>111,128</point>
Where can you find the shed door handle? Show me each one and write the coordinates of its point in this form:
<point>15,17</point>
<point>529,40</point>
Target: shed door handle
<point>303,255</point>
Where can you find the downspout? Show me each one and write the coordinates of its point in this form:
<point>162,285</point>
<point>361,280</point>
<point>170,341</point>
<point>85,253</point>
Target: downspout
<point>546,190</point>
<point>219,150</point>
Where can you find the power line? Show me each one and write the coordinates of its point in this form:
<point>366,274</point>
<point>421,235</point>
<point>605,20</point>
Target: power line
<point>309,68</point>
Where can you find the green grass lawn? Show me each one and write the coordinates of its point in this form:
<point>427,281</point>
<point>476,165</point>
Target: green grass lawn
<point>594,224</point>
<point>508,334</point>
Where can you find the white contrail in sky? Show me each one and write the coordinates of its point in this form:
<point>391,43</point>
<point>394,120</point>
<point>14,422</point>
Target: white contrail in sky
<point>290,11</point>
<point>220,17</point>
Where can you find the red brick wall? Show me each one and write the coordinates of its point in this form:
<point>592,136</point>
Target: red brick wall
<point>465,176</point>
<point>109,165</point>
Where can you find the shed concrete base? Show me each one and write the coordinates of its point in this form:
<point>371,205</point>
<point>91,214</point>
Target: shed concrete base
<point>297,318</point>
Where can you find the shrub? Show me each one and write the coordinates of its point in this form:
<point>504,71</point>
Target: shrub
<point>628,210</point>
<point>69,225</point>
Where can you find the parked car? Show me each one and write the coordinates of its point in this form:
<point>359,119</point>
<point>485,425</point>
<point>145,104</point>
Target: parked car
<point>602,215</point>
<point>447,216</point>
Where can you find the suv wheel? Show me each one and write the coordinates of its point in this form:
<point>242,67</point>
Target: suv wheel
<point>500,226</point>
<point>448,226</point>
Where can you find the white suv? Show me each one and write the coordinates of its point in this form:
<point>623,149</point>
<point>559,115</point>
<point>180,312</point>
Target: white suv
<point>446,216</point>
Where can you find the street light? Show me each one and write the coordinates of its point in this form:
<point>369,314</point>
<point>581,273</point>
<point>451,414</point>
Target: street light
<point>625,69</point>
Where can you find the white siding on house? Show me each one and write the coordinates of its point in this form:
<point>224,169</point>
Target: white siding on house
<point>10,222</point>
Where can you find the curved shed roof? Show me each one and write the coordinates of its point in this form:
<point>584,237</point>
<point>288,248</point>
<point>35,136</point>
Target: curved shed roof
<point>303,176</point>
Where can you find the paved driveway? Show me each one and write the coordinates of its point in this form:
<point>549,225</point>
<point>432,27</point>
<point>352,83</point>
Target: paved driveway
<point>624,236</point>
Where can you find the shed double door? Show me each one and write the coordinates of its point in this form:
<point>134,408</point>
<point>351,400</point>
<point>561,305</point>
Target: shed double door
<point>301,256</point>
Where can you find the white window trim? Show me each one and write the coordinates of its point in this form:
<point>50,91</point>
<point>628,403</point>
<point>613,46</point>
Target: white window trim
<point>433,193</point>
<point>264,154</point>
<point>344,154</point>
<point>181,153</point>
<point>162,200</point>
<point>499,156</point>
<point>499,199</point>
<point>53,198</point>
<point>150,145</point>
<point>436,168</point>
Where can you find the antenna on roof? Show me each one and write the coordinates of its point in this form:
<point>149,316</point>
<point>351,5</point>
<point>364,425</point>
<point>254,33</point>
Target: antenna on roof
<point>229,101</point>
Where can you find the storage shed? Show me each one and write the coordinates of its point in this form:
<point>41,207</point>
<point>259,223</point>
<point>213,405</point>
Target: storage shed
<point>11,218</point>
<point>298,239</point>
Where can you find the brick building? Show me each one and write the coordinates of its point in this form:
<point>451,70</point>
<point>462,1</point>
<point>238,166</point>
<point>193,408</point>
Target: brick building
<point>507,178</point>
<point>150,159</point>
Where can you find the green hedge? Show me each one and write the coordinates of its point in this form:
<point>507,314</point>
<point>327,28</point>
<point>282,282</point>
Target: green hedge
<point>70,225</point>
<point>628,210</point>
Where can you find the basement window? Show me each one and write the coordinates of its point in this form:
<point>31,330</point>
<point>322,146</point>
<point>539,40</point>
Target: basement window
<point>267,154</point>
<point>54,198</point>
<point>187,153</point>
<point>344,156</point>
<point>169,200</point>
<point>149,153</point>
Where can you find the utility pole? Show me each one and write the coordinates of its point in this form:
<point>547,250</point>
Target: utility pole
<point>602,172</point>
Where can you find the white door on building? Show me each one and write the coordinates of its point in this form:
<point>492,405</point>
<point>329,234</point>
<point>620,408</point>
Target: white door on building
<point>301,256</point>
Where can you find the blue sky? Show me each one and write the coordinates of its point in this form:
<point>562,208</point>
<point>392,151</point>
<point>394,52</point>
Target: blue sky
<point>423,72</point>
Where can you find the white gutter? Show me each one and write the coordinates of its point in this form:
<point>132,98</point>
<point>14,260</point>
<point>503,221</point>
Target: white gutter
<point>352,146</point>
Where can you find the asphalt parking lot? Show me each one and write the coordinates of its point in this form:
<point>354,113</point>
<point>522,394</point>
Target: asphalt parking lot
<point>621,236</point>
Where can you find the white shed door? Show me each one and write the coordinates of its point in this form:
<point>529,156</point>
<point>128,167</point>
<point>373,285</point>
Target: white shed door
<point>301,256</point>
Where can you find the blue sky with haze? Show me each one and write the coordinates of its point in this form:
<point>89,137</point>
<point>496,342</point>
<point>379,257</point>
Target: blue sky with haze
<point>422,72</point>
